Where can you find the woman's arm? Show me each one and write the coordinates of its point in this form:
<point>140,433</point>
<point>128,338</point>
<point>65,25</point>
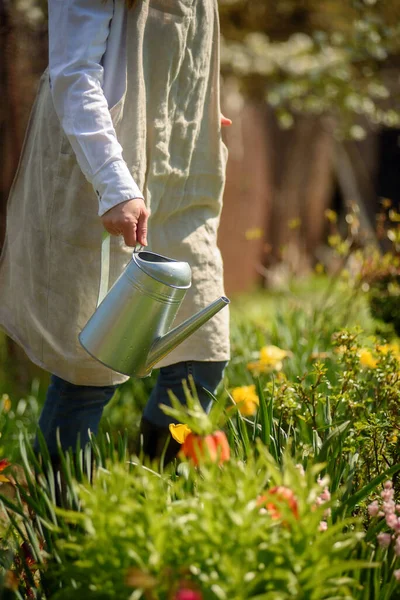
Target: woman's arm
<point>78,32</point>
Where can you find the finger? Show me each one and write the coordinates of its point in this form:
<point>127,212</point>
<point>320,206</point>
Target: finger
<point>129,233</point>
<point>141,231</point>
<point>225,122</point>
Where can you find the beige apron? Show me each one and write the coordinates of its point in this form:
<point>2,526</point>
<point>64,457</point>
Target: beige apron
<point>168,123</point>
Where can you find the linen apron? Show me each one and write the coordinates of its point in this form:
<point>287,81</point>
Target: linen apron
<point>168,123</point>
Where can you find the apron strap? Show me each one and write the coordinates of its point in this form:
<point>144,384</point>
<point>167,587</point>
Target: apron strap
<point>104,267</point>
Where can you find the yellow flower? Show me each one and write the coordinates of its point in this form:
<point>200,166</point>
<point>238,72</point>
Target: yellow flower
<point>394,348</point>
<point>179,432</point>
<point>366,359</point>
<point>331,215</point>
<point>272,354</point>
<point>246,399</point>
<point>384,348</point>
<point>270,360</point>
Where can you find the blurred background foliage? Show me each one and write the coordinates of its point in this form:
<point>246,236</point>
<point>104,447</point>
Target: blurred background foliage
<point>338,57</point>
<point>305,56</point>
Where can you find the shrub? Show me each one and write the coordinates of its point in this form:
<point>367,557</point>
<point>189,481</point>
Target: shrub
<point>245,530</point>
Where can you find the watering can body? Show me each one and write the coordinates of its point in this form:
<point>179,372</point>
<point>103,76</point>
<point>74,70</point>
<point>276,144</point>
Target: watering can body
<point>130,331</point>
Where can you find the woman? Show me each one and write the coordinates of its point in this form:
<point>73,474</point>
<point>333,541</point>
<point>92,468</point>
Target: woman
<point>124,135</point>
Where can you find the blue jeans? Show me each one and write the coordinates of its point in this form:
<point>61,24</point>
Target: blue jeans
<point>74,410</point>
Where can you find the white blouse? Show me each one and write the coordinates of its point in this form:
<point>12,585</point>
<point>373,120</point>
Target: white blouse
<point>87,77</point>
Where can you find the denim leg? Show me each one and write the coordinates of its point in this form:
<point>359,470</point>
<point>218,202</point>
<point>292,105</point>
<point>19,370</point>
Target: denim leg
<point>206,375</point>
<point>74,410</point>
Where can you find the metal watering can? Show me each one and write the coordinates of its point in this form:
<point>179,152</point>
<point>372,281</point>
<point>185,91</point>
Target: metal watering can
<point>130,330</point>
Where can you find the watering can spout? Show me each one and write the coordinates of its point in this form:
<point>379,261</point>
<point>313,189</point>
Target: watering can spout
<point>166,343</point>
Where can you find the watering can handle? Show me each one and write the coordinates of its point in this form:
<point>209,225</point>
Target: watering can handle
<point>105,266</point>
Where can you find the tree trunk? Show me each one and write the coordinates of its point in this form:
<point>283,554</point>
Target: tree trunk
<point>248,190</point>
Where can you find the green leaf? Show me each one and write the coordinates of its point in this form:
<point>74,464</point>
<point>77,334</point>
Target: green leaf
<point>330,443</point>
<point>352,501</point>
<point>264,416</point>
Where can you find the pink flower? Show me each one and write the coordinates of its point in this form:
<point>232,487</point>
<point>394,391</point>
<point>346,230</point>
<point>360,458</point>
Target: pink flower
<point>373,509</point>
<point>388,485</point>
<point>391,520</point>
<point>384,539</point>
<point>188,594</point>
<point>326,495</point>
<point>389,507</point>
<point>396,574</point>
<point>387,494</point>
<point>323,526</point>
<point>397,547</point>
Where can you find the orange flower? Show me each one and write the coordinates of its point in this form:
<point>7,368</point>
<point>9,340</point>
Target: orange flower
<point>283,495</point>
<point>222,445</point>
<point>211,448</point>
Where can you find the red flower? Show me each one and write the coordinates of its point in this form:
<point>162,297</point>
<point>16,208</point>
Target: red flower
<point>211,447</point>
<point>188,594</point>
<point>283,495</point>
<point>4,463</point>
<point>28,554</point>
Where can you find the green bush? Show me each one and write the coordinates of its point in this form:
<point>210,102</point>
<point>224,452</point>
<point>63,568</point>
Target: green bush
<point>384,300</point>
<point>248,530</point>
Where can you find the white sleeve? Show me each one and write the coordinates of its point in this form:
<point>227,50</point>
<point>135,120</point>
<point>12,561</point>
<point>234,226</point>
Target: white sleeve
<point>78,32</point>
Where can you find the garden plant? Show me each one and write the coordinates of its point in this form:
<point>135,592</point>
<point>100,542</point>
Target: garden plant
<point>288,488</point>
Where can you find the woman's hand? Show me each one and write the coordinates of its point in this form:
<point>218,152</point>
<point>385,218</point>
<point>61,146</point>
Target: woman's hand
<point>128,219</point>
